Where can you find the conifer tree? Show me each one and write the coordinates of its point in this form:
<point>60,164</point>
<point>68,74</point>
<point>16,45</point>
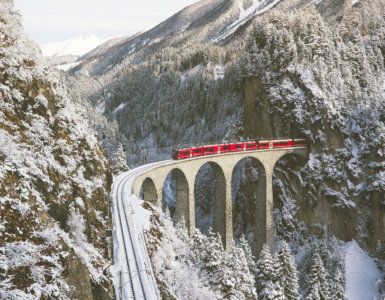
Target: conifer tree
<point>243,279</point>
<point>249,255</point>
<point>212,259</point>
<point>237,282</point>
<point>338,289</point>
<point>319,285</point>
<point>288,273</point>
<point>182,230</point>
<point>267,285</point>
<point>199,241</point>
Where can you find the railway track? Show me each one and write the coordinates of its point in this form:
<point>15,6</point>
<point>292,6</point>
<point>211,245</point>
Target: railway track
<point>137,279</point>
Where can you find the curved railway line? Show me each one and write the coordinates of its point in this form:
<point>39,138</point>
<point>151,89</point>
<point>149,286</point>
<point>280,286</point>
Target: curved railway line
<point>138,281</point>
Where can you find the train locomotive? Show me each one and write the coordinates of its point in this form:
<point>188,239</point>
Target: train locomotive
<point>236,147</point>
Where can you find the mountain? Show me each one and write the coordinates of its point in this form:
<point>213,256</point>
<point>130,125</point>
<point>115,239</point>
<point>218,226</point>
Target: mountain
<point>222,71</point>
<point>206,21</point>
<point>76,46</point>
<point>107,46</point>
<point>69,53</point>
<point>54,180</point>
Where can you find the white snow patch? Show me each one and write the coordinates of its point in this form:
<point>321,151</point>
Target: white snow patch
<point>66,67</point>
<point>139,214</point>
<point>362,274</point>
<point>314,2</point>
<point>258,7</point>
<point>101,107</point>
<point>120,107</point>
<point>219,72</point>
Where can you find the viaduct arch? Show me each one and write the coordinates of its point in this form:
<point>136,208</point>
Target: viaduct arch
<point>185,172</point>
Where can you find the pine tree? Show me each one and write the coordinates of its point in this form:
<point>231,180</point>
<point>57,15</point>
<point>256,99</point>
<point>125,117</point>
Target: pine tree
<point>319,286</point>
<point>212,259</point>
<point>288,273</point>
<point>338,287</point>
<point>199,241</point>
<point>249,255</point>
<point>237,276</point>
<point>182,230</point>
<point>267,285</point>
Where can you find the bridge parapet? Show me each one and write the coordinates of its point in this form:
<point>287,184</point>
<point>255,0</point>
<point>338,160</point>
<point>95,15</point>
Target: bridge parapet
<point>223,165</point>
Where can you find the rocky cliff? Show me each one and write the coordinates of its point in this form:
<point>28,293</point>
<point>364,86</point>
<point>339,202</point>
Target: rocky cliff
<point>306,76</point>
<point>54,181</point>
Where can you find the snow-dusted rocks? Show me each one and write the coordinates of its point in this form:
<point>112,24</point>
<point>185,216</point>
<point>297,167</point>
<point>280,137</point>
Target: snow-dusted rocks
<point>54,180</point>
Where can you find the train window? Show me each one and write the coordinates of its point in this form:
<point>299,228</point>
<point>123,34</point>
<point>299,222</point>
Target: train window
<point>238,146</point>
<point>225,147</point>
<point>263,144</point>
<point>281,143</point>
<point>250,145</point>
<point>197,150</point>
<point>209,149</point>
<point>180,153</point>
<point>186,152</point>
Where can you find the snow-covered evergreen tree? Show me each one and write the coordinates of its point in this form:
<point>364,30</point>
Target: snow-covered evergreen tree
<point>249,255</point>
<point>338,286</point>
<point>288,273</point>
<point>319,285</point>
<point>237,281</point>
<point>268,286</point>
<point>198,244</point>
<point>212,259</point>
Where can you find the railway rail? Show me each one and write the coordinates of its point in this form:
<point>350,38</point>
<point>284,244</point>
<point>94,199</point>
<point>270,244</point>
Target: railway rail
<point>130,252</point>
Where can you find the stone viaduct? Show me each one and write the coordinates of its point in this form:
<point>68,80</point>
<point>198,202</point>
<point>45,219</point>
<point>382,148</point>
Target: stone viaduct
<point>185,172</point>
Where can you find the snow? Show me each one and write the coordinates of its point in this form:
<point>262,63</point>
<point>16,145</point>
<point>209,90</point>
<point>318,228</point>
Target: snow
<point>66,67</point>
<point>258,7</point>
<point>75,46</point>
<point>126,204</point>
<point>120,107</point>
<point>362,274</point>
<point>219,72</point>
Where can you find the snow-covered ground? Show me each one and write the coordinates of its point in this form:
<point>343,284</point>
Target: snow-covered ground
<point>362,274</point>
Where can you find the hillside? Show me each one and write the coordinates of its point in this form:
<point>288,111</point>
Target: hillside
<point>54,181</point>
<point>227,70</point>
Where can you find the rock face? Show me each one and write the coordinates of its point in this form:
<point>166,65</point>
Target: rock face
<point>54,181</point>
<point>309,77</point>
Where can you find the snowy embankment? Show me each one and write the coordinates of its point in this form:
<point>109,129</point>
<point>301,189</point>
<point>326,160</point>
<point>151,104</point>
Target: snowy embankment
<point>132,271</point>
<point>362,274</point>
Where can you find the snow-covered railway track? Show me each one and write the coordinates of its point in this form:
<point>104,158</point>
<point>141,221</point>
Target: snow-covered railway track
<point>136,278</point>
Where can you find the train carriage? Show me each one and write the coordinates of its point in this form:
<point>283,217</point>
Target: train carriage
<point>236,147</point>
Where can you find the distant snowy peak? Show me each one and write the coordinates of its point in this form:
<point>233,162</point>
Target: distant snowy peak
<point>76,46</point>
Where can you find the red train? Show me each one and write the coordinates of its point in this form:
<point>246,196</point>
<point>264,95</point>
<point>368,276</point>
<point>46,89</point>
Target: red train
<point>235,147</point>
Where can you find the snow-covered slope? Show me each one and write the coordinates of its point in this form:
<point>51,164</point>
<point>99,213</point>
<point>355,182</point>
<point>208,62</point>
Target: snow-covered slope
<point>107,46</point>
<point>75,46</point>
<point>362,274</point>
<point>258,7</point>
